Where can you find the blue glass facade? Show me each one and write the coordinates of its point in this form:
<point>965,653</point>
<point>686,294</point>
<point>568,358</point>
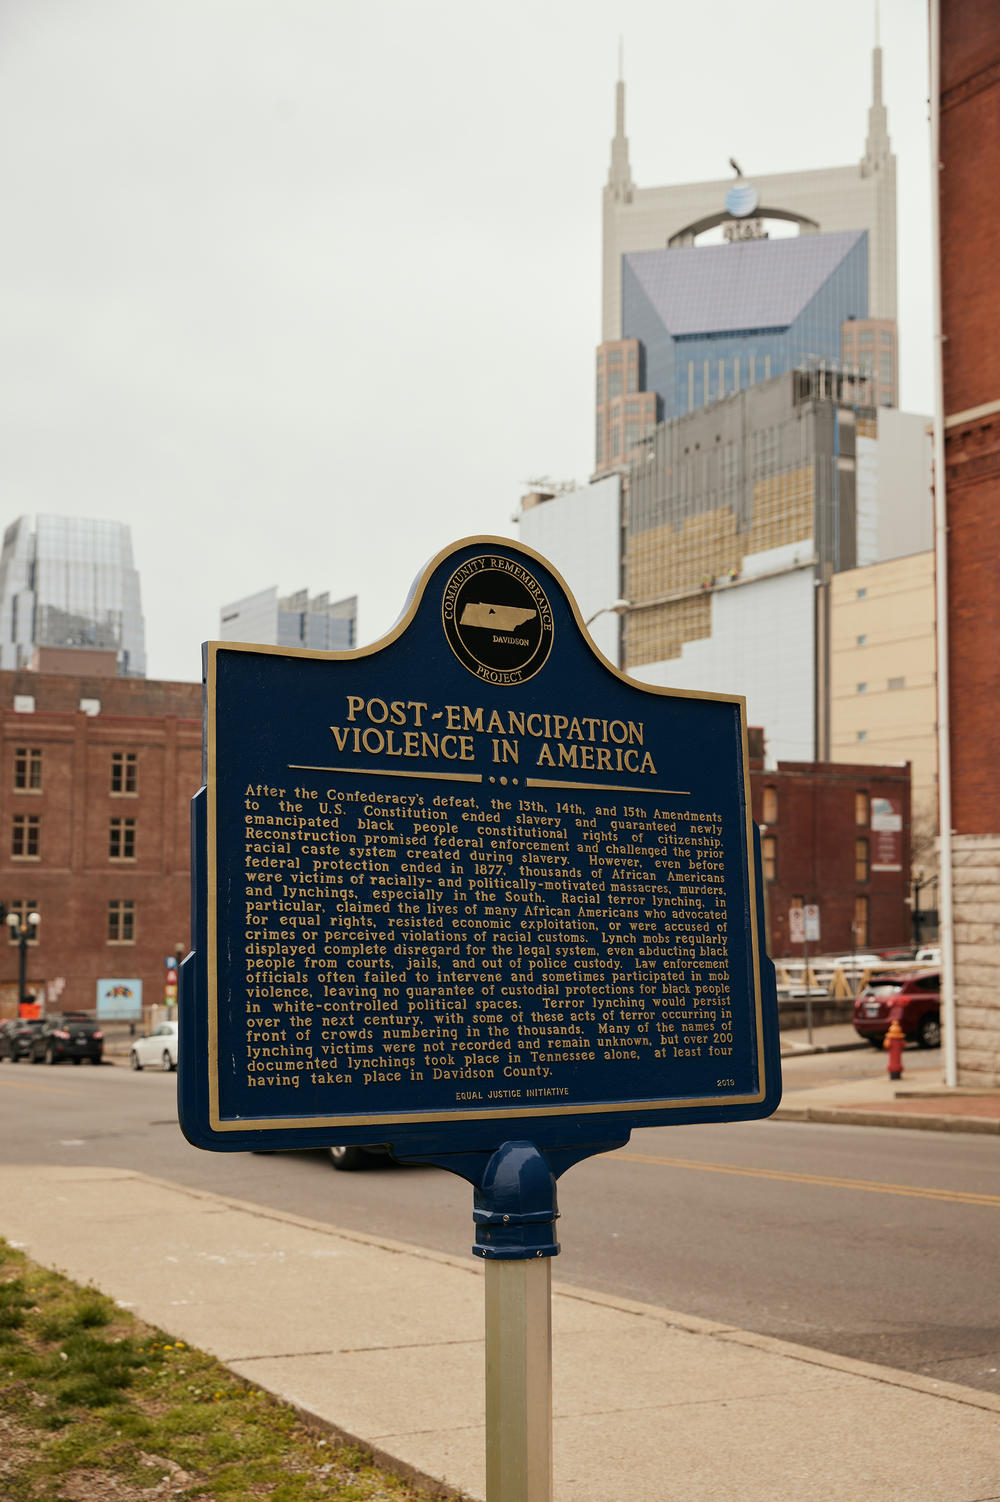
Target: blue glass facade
<point>70,582</point>
<point>716,319</point>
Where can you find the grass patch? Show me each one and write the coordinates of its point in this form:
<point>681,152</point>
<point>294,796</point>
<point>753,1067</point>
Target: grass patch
<point>93,1403</point>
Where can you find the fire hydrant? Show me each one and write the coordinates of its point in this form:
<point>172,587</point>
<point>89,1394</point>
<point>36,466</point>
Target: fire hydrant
<point>894,1040</point>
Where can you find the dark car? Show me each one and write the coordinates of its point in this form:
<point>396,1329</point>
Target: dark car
<point>901,952</point>
<point>16,1036</point>
<point>68,1035</point>
<point>912,996</point>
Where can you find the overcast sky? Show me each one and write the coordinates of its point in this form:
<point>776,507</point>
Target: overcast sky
<point>304,290</point>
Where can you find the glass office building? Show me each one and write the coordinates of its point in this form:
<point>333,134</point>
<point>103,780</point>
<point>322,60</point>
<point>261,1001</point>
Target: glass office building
<point>291,620</point>
<point>713,320</point>
<point>70,582</point>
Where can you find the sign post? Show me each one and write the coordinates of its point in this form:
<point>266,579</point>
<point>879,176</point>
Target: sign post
<point>810,932</point>
<point>474,895</point>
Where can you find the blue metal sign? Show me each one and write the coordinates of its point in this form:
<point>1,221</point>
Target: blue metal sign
<point>119,998</point>
<point>468,885</point>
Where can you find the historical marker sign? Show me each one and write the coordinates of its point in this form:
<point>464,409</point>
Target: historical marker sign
<point>470,883</point>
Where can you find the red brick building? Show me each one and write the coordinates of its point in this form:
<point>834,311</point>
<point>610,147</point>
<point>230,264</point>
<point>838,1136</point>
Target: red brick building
<point>838,836</point>
<point>96,778</point>
<point>969,153</point>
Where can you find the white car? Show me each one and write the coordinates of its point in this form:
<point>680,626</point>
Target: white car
<point>930,955</point>
<point>157,1050</point>
<point>859,961</point>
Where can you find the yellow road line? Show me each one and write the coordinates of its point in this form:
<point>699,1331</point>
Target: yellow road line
<point>952,1196</point>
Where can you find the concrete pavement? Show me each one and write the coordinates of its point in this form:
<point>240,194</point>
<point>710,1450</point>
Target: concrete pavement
<point>918,1100</point>
<point>383,1342</point>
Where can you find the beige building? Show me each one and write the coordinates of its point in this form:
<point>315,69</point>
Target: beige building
<point>882,674</point>
<point>859,196</point>
<point>871,346</point>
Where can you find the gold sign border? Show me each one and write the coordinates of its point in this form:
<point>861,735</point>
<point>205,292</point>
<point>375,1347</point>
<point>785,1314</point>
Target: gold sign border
<point>423,1118</point>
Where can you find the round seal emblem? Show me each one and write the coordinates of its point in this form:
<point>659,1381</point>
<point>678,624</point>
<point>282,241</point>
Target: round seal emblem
<point>497,619</point>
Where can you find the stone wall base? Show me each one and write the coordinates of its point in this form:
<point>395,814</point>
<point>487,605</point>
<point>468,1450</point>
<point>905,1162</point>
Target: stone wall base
<point>976,867</point>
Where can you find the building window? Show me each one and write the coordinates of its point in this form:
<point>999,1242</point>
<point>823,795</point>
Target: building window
<point>600,388</point>
<point>121,840</point>
<point>769,853</point>
<point>24,840</point>
<point>860,924</point>
<point>121,921</point>
<point>862,641</point>
<point>862,688</point>
<point>769,806</point>
<point>861,807</point>
<point>28,769</point>
<point>861,594</point>
<point>895,683</point>
<point>123,771</point>
<point>614,383</point>
<point>24,703</point>
<point>862,735</point>
<point>21,908</point>
<point>861,868</point>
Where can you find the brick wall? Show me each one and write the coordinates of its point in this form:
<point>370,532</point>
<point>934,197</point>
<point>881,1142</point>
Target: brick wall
<point>819,821</point>
<point>73,877</point>
<point>117,696</point>
<point>970,305</point>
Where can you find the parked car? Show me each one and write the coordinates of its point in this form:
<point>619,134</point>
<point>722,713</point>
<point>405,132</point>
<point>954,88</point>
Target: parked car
<point>912,996</point>
<point>929,955</point>
<point>16,1036</point>
<point>68,1035</point>
<point>901,952</point>
<point>347,1159</point>
<point>157,1050</point>
<point>860,960</point>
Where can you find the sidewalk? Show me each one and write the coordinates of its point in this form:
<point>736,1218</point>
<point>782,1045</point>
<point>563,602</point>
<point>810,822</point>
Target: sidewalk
<point>915,1101</point>
<point>383,1342</point>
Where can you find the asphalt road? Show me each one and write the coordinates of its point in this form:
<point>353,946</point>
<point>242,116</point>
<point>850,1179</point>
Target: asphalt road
<point>871,1242</point>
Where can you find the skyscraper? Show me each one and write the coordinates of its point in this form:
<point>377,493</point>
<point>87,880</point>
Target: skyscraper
<point>806,253</point>
<point>70,582</point>
<point>292,621</point>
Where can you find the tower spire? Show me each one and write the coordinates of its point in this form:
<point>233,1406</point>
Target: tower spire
<point>620,174</point>
<point>877,144</point>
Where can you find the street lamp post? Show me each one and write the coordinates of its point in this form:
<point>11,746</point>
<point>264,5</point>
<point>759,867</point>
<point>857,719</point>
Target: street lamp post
<point>620,608</point>
<point>22,932</point>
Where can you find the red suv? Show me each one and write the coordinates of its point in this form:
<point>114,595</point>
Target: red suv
<point>912,996</point>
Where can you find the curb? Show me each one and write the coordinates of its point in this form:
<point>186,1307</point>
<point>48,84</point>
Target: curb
<point>848,1116</point>
<point>794,1051</point>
